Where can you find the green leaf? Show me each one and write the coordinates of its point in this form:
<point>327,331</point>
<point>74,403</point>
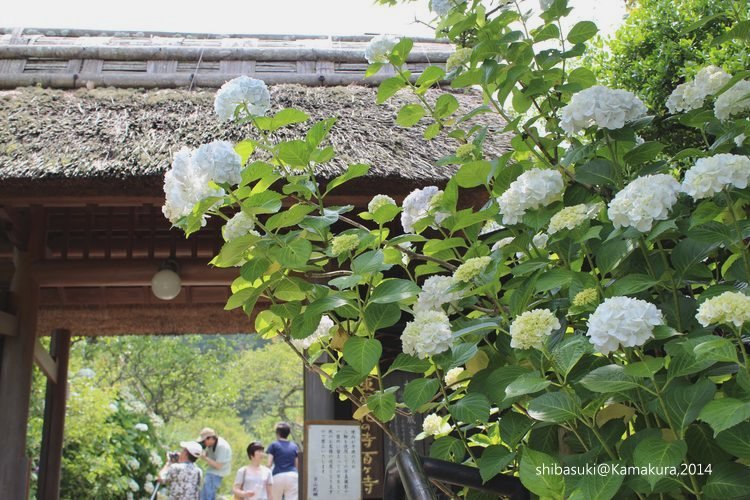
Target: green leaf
<point>631,284</point>
<point>555,407</point>
<point>420,391</point>
<point>717,349</point>
<point>528,383</point>
<point>727,480</point>
<point>319,131</point>
<point>295,153</point>
<point>369,263</point>
<point>643,153</point>
<point>712,233</point>
<point>265,202</point>
<point>362,354</point>
<point>458,355</point>
<point>654,453</point>
<point>294,254</point>
<point>241,297</point>
<point>233,252</point>
<point>407,363</point>
<point>244,149</point>
<point>471,408</point>
<point>598,172</point>
<point>352,172</point>
<point>288,116</point>
<point>348,377</point>
<point>598,486</point>
<point>582,31</point>
<point>394,290</point>
<point>549,485</point>
<point>612,253</point>
<point>725,413</point>
<point>736,440</point>
<point>400,51</point>
<point>290,217</point>
<point>688,253</point>
<point>566,354</point>
<point>382,405</point>
<point>554,278</point>
<point>513,427</point>
<point>494,460</point>
<point>448,448</point>
<point>493,383</point>
<point>609,378</point>
<point>431,131</point>
<point>430,75</point>
<point>684,402</point>
<point>410,114</point>
<point>476,326</point>
<point>473,174</point>
<point>649,366</point>
<point>379,316</point>
<point>445,106</point>
<point>388,89</point>
<point>254,268</point>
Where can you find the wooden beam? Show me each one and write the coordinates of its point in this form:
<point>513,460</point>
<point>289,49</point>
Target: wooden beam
<point>53,429</point>
<point>125,273</point>
<point>44,361</point>
<point>8,324</point>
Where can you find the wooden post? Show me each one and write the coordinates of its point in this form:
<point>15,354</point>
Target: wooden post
<point>17,359</point>
<point>50,460</point>
<point>15,380</point>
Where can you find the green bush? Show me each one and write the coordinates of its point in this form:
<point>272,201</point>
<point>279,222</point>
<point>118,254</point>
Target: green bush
<point>660,45</point>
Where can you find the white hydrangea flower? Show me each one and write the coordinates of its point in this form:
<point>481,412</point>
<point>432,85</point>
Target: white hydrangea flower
<point>545,4</point>
<point>442,7</point>
<point>533,189</point>
<point>420,204</point>
<point>428,334</point>
<point>729,307</point>
<point>185,185</point>
<point>133,464</point>
<point>379,201</point>
<point>129,496</point>
<point>740,140</point>
<point>251,92</point>
<point>133,485</point>
<point>734,101</point>
<point>239,225</point>
<point>531,328</point>
<point>502,242</point>
<point>572,217</point>
<point>404,256</point>
<point>622,321</point>
<point>323,331</point>
<point>452,376</point>
<point>219,162</point>
<point>713,174</point>
<point>141,427</point>
<point>471,269</point>
<point>603,107</point>
<point>458,58</point>
<point>148,487</point>
<point>156,459</point>
<point>643,201</point>
<point>433,425</point>
<point>691,95</point>
<point>490,227</point>
<point>540,240</point>
<point>435,293</point>
<point>344,243</point>
<point>379,47</point>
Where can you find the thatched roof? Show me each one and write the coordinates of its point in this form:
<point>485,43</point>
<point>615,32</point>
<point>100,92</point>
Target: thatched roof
<point>120,141</point>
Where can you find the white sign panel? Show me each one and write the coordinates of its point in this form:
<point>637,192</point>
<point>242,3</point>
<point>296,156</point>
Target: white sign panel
<point>333,461</point>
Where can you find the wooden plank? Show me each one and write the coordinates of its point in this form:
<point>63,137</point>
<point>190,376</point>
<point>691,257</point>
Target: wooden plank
<point>44,361</point>
<point>125,273</point>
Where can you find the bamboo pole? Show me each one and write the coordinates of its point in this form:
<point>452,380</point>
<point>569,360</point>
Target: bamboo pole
<point>175,80</point>
<point>172,53</point>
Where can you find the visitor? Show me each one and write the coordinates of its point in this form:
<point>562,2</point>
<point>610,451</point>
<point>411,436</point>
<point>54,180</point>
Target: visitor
<point>218,457</point>
<point>181,474</point>
<point>253,480</point>
<point>282,455</point>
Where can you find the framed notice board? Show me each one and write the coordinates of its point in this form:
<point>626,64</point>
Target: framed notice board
<point>333,460</point>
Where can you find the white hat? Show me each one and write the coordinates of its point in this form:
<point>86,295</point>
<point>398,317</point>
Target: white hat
<point>192,447</point>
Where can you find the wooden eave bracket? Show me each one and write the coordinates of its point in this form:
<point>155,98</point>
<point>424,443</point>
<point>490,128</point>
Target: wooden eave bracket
<point>45,362</point>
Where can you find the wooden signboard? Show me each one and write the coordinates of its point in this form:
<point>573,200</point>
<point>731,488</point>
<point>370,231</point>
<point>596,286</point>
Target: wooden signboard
<point>333,460</point>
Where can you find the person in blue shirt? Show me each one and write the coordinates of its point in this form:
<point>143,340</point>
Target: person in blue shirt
<point>282,456</point>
